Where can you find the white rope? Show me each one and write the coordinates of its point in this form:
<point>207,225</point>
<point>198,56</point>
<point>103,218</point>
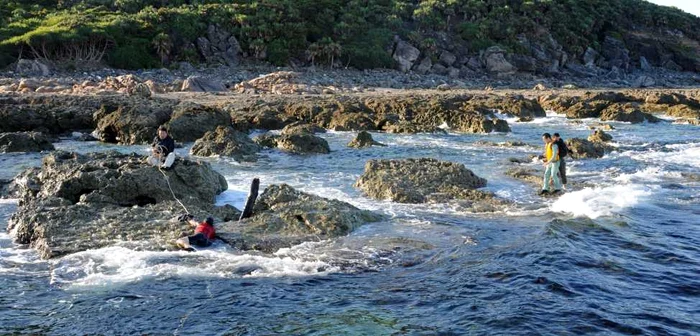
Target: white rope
<point>167,180</point>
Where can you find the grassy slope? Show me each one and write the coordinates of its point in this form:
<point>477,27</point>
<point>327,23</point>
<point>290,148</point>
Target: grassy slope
<point>147,33</point>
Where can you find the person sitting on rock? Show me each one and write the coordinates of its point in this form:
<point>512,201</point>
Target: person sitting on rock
<point>204,233</point>
<point>551,164</point>
<point>163,148</point>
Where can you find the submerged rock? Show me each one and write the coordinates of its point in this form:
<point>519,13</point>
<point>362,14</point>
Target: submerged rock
<point>303,144</point>
<point>76,202</point>
<point>364,140</point>
<point>24,142</point>
<point>226,141</point>
<point>420,180</point>
<point>584,149</point>
<point>283,217</point>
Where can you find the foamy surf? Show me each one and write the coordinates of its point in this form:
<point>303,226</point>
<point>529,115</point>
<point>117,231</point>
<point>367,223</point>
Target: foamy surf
<point>601,201</point>
<point>114,266</point>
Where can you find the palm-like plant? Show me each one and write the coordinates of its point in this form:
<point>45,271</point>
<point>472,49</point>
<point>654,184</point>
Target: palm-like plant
<point>163,46</point>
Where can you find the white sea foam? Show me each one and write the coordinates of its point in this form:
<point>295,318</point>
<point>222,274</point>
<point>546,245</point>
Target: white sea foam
<point>113,266</point>
<point>686,154</point>
<point>650,174</point>
<point>601,201</point>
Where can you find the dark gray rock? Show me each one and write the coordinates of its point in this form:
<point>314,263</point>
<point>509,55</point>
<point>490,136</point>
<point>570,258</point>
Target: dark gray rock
<point>283,217</point>
<point>405,55</point>
<point>303,144</point>
<point>201,84</point>
<point>24,142</point>
<point>191,121</point>
<point>364,140</point>
<point>226,141</point>
<point>419,180</point>
<point>77,202</point>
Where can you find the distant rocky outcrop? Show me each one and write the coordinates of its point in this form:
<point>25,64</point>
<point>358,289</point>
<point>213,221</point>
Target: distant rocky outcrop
<point>24,142</point>
<point>201,84</point>
<point>219,46</point>
<point>226,141</point>
<point>283,217</point>
<point>421,181</point>
<point>77,202</point>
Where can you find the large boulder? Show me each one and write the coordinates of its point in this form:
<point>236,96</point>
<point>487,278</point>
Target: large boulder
<point>135,122</point>
<point>405,55</point>
<point>76,202</point>
<point>303,144</point>
<point>496,63</point>
<point>420,181</point>
<point>24,142</point>
<point>190,121</point>
<point>283,216</point>
<point>201,84</point>
<point>226,141</point>
<point>219,46</point>
<point>364,140</point>
<point>584,149</point>
<point>615,53</point>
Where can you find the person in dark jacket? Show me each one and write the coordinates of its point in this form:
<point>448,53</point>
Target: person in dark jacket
<point>163,149</point>
<point>563,151</point>
<point>204,233</point>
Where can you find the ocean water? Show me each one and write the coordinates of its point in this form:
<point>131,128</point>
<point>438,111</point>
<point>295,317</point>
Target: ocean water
<point>620,254</point>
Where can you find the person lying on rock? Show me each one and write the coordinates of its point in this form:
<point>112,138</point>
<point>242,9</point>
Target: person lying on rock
<point>163,149</point>
<point>204,233</point>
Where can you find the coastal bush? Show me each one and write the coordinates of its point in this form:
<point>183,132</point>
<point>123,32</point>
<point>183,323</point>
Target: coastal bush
<point>283,30</point>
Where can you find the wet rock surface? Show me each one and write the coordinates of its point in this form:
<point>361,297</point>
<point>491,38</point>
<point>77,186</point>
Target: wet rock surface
<point>283,217</point>
<point>420,181</point>
<point>76,202</point>
<point>584,149</point>
<point>364,140</point>
<point>24,142</point>
<point>303,144</point>
<point>600,136</point>
<point>226,141</point>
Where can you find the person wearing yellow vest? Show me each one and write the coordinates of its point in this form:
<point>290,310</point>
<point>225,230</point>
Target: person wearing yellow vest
<point>551,164</point>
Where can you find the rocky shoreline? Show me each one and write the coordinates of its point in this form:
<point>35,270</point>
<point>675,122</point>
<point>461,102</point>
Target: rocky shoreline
<point>75,202</point>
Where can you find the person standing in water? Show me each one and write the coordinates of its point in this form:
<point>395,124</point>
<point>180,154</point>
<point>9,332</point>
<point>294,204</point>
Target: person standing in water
<point>551,164</point>
<point>163,149</point>
<point>563,152</point>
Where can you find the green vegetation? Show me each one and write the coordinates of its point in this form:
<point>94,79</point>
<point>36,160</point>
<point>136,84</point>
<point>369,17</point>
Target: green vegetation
<point>149,33</point>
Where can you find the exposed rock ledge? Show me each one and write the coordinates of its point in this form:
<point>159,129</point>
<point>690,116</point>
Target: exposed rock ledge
<point>77,202</point>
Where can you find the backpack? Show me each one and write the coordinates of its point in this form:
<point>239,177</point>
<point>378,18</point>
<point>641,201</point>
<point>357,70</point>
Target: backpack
<point>563,151</point>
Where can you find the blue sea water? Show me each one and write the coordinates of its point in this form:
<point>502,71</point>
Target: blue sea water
<point>619,253</point>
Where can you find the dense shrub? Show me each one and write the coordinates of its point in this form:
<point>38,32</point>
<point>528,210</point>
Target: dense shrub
<point>281,30</point>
